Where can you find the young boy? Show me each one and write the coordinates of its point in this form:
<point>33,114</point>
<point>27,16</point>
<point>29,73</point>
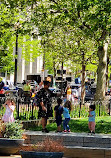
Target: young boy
<point>58,114</point>
<point>91,116</point>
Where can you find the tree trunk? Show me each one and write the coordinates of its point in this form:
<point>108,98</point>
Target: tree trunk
<point>83,80</point>
<point>54,80</point>
<point>54,69</point>
<point>16,53</point>
<point>107,74</point>
<point>101,72</point>
<point>62,77</point>
<point>43,71</point>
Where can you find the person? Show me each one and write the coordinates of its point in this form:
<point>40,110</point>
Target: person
<point>40,86</point>
<point>11,85</point>
<point>66,115</point>
<point>10,107</point>
<point>27,87</point>
<point>34,82</point>
<point>1,83</point>
<point>24,82</point>
<point>75,96</point>
<point>91,123</point>
<point>58,114</point>
<point>26,91</point>
<point>69,93</point>
<point>32,93</point>
<point>89,83</point>
<point>79,92</point>
<point>45,105</point>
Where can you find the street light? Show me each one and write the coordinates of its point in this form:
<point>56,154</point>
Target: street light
<point>17,27</point>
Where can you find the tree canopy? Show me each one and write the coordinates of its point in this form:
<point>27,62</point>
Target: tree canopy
<point>71,30</point>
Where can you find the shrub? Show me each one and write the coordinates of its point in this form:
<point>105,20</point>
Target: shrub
<point>13,130</point>
<point>48,145</point>
<point>2,129</point>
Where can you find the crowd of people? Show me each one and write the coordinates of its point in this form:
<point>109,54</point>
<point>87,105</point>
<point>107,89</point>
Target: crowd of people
<point>43,96</point>
<point>43,99</point>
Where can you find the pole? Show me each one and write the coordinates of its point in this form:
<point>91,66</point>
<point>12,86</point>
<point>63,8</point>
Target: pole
<point>17,104</point>
<point>109,106</point>
<point>16,53</point>
<point>83,79</point>
<point>80,109</point>
<point>62,78</point>
<point>100,104</point>
<point>44,66</point>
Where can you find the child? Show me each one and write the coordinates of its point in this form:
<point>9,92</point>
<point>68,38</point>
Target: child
<point>58,114</point>
<point>91,116</point>
<point>10,107</point>
<point>66,110</point>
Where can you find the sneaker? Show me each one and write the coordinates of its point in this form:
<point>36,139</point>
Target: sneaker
<point>58,131</point>
<point>89,132</point>
<point>69,131</point>
<point>64,131</point>
<point>45,130</point>
<point>92,133</point>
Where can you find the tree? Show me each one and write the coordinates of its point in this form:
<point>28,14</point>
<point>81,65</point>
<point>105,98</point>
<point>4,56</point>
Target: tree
<point>5,36</point>
<point>92,17</point>
<point>12,12</point>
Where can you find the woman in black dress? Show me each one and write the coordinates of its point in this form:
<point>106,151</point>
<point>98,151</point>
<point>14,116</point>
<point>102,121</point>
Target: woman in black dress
<point>45,108</point>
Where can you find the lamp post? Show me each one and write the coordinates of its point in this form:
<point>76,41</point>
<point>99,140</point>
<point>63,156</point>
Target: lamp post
<point>17,26</point>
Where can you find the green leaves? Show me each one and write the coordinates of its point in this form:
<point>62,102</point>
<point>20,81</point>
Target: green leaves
<point>13,130</point>
<point>61,24</point>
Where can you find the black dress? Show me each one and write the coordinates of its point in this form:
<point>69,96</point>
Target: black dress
<point>45,96</point>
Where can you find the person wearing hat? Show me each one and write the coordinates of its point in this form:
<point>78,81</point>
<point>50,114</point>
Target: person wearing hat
<point>45,104</point>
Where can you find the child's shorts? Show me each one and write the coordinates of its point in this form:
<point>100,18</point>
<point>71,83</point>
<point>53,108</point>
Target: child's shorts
<point>59,122</point>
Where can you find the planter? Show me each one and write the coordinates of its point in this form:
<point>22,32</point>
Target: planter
<point>10,146</point>
<point>34,154</point>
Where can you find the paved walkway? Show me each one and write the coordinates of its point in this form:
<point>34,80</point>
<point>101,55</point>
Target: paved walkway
<point>12,156</point>
<point>69,134</point>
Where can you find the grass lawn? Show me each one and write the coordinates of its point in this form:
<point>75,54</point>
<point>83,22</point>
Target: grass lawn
<point>103,125</point>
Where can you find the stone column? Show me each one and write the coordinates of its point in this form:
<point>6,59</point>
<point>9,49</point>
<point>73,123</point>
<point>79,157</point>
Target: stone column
<point>34,67</point>
<point>27,70</point>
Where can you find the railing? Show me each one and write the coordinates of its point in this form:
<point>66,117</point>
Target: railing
<point>25,109</point>
<point>102,109</point>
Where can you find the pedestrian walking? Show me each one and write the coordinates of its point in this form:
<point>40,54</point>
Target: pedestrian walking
<point>45,104</point>
<point>10,107</point>
<point>58,114</point>
<point>66,115</point>
<point>91,123</point>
